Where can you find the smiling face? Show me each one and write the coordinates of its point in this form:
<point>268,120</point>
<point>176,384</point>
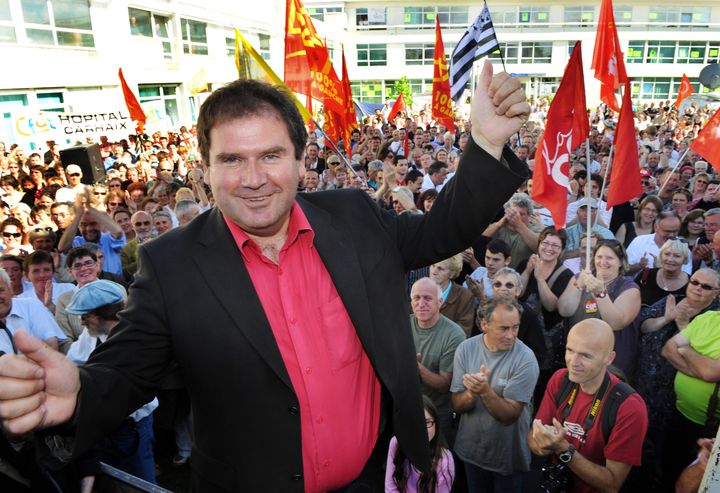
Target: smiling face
<point>607,263</point>
<point>253,172</point>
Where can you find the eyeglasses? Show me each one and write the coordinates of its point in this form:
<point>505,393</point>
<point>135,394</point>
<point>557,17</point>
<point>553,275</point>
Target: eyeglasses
<point>115,185</point>
<point>11,235</point>
<point>115,203</point>
<point>141,223</point>
<point>705,287</point>
<point>429,423</point>
<point>40,230</point>
<point>82,265</point>
<point>700,181</point>
<point>679,238</point>
<point>99,193</point>
<point>552,246</point>
<point>498,285</point>
<point>74,174</point>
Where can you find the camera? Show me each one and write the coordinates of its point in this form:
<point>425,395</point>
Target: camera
<point>555,479</point>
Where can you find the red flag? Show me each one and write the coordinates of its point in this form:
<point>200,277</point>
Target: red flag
<point>397,107</point>
<point>350,115</point>
<point>625,174</point>
<point>707,142</point>
<point>685,90</point>
<point>442,104</point>
<point>136,112</point>
<point>608,61</point>
<point>308,104</point>
<point>406,145</point>
<point>567,127</point>
<point>308,68</point>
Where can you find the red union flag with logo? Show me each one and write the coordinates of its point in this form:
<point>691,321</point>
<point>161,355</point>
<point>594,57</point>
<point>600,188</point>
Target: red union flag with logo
<point>608,61</point>
<point>707,142</point>
<point>441,102</point>
<point>567,127</point>
<point>685,90</point>
<point>308,68</point>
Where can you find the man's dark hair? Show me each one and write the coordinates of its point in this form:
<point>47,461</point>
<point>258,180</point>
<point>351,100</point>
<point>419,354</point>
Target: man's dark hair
<point>79,252</point>
<point>488,307</point>
<point>597,179</point>
<point>69,205</point>
<point>413,175</point>
<point>313,144</point>
<point>498,246</point>
<point>38,257</point>
<point>243,98</point>
<point>109,312</point>
<point>435,167</point>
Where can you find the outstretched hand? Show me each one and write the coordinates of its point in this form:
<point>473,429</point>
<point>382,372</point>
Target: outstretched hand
<point>499,108</point>
<point>38,389</point>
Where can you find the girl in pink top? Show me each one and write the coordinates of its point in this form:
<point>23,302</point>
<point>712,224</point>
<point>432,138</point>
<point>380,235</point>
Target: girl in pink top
<point>402,477</point>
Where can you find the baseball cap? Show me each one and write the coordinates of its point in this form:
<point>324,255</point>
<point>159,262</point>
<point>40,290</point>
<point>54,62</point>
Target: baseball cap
<point>645,172</point>
<point>95,295</point>
<point>72,169</point>
<point>588,202</point>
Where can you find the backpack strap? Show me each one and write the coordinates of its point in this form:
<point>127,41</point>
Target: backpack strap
<point>554,277</point>
<point>616,396</point>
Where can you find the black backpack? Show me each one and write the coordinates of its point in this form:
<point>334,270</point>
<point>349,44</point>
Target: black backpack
<point>616,396</point>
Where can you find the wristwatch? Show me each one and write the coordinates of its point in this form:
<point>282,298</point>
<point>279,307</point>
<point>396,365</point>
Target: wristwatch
<point>566,456</point>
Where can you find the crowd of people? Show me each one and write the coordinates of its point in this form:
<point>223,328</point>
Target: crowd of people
<point>518,341</point>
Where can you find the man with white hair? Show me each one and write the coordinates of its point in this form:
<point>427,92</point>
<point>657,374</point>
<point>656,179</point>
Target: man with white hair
<point>516,230</point>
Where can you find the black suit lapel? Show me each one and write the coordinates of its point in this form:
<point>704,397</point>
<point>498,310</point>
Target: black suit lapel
<point>221,263</point>
<point>340,257</point>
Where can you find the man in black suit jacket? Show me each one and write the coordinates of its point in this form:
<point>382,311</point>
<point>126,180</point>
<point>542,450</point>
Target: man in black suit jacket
<point>194,305</point>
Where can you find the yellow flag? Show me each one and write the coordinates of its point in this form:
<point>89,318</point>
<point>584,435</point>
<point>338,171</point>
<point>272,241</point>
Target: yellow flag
<point>198,83</point>
<point>250,65</point>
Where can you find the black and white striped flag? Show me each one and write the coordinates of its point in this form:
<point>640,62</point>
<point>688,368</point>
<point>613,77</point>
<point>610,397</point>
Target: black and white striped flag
<point>479,40</point>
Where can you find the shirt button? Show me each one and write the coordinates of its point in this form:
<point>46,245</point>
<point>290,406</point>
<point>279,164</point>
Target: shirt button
<point>296,477</point>
<point>293,410</point>
<point>308,370</point>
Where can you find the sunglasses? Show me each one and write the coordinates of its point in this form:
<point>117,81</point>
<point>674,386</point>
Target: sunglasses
<point>40,230</point>
<point>74,174</point>
<point>99,193</point>
<point>703,286</point>
<point>498,285</point>
<point>11,235</point>
<point>115,203</point>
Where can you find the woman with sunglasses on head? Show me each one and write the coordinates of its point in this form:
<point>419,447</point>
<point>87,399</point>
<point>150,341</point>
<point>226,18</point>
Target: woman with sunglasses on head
<point>644,223</point>
<point>604,292</point>
<point>693,226</point>
<point>14,238</point>
<point>114,199</point>
<point>655,375</point>
<point>668,278</point>
<point>402,477</point>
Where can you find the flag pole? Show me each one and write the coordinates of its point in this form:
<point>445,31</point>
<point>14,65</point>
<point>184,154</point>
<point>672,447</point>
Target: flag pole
<point>588,227</point>
<point>335,149</point>
<point>602,189</point>
<point>679,161</point>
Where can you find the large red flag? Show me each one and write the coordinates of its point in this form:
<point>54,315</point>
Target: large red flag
<point>567,127</point>
<point>707,142</point>
<point>608,61</point>
<point>685,90</point>
<point>625,175</point>
<point>397,107</point>
<point>441,102</point>
<point>308,68</point>
<point>133,106</point>
<point>350,116</point>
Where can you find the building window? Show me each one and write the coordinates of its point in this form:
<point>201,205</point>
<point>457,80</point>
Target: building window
<point>371,55</point>
<point>682,52</point>
<point>691,52</point>
<point>660,52</point>
<point>533,15</point>
<point>51,101</point>
<point>368,91</point>
<point>419,54</point>
<point>512,16</point>
<point>7,30</point>
<point>194,36</point>
<point>525,52</point>
<point>151,25</point>
<point>580,16</point>
<point>368,17</point>
<point>623,15</point>
<point>418,86</point>
<point>167,93</point>
<point>635,52</point>
<point>649,88</point>
<point>680,16</point>
<point>58,22</point>
<point>319,13</point>
<point>264,45</point>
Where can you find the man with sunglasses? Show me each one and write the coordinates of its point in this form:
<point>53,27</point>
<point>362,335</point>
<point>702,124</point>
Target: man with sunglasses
<point>695,353</point>
<point>644,250</point>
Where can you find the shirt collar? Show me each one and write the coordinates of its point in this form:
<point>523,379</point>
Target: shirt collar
<point>298,227</point>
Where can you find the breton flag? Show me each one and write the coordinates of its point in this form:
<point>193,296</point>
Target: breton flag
<point>478,41</point>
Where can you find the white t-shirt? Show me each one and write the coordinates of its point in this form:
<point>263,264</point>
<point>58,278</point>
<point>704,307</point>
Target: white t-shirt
<point>644,245</point>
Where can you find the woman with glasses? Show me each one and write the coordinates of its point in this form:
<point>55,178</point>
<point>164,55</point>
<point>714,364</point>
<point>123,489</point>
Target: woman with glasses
<point>604,292</point>
<point>644,223</point>
<point>699,184</point>
<point>655,376</point>
<point>402,477</point>
<point>114,199</point>
<point>669,278</point>
<point>693,226</point>
<point>98,195</point>
<point>14,238</point>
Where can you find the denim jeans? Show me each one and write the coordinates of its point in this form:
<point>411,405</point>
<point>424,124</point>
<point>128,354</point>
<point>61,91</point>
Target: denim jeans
<point>130,449</point>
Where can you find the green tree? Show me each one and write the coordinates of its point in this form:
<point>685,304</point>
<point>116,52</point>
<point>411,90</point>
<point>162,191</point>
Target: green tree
<point>402,85</point>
